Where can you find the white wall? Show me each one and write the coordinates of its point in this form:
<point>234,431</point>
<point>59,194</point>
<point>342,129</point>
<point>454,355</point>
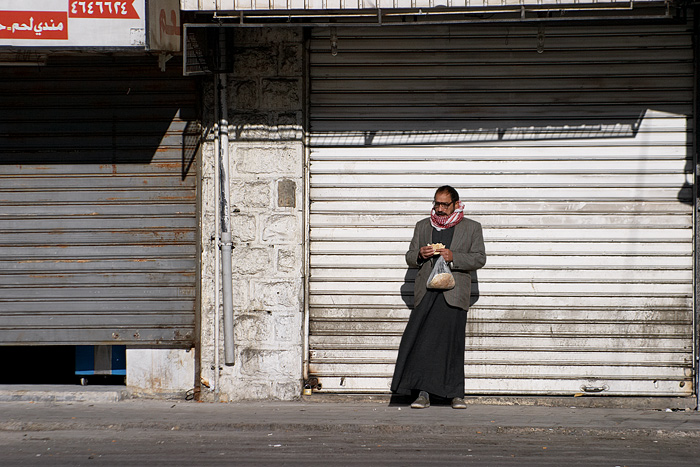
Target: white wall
<point>160,372</point>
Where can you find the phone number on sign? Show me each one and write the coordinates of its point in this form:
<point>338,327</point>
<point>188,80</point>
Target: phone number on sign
<point>102,9</point>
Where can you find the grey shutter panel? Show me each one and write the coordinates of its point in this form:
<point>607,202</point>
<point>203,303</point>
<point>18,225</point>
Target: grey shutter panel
<point>578,163</point>
<point>98,226</point>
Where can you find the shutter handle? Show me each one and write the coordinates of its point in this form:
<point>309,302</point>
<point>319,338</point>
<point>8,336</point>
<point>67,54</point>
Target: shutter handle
<point>595,389</point>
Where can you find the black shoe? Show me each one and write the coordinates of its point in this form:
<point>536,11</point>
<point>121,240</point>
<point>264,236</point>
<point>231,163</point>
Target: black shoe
<point>458,403</point>
<point>421,402</point>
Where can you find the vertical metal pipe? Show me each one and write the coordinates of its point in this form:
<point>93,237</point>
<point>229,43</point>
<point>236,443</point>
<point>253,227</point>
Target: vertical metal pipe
<point>307,202</point>
<point>307,211</point>
<point>217,240</point>
<point>226,238</point>
<point>696,206</point>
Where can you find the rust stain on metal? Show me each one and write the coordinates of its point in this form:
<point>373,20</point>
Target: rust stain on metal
<point>167,165</point>
<point>56,261</point>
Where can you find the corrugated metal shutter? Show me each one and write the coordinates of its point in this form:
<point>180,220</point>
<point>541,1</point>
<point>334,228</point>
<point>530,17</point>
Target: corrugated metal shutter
<point>98,221</point>
<point>576,160</point>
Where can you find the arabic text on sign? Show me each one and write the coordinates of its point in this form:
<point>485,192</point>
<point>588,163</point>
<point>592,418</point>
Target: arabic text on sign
<point>102,9</point>
<point>51,25</point>
<point>169,29</point>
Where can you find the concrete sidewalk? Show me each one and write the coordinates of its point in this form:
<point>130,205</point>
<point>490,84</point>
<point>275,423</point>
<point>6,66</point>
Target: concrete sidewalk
<point>333,414</point>
<point>62,393</point>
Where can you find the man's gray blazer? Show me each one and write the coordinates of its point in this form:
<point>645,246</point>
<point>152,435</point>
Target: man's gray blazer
<point>468,254</point>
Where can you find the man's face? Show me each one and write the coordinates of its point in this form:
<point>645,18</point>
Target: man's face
<point>443,204</point>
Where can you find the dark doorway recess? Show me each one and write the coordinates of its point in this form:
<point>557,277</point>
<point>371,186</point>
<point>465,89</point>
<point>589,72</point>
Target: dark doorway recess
<point>49,364</point>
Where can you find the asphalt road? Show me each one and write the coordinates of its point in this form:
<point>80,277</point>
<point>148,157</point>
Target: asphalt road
<point>174,434</point>
<point>253,447</point>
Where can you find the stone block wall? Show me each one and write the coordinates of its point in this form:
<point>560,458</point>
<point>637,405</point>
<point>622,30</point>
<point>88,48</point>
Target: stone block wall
<point>266,111</point>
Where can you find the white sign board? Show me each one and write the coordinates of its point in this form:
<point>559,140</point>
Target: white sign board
<point>164,25</point>
<point>72,23</point>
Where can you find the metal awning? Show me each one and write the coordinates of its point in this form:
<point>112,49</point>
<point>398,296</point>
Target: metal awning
<point>265,5</point>
<point>383,12</point>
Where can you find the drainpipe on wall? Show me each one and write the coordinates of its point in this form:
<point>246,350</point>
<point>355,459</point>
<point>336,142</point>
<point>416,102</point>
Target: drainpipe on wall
<point>307,214</point>
<point>217,241</point>
<point>226,238</point>
<point>696,207</point>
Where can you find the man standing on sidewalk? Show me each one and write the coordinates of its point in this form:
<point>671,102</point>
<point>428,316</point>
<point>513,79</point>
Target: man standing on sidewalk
<point>431,354</point>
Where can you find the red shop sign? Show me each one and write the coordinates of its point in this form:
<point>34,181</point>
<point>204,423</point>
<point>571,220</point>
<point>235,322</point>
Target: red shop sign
<point>34,25</point>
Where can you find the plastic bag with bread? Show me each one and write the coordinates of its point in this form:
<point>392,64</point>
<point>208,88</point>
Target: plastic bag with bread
<point>441,277</point>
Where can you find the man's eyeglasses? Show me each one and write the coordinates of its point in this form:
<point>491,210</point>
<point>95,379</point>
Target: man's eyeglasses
<point>438,204</point>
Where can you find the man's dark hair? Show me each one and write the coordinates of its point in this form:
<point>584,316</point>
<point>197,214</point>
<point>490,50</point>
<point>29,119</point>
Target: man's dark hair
<point>448,189</point>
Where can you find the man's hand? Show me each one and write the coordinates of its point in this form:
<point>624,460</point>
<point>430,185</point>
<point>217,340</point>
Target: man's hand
<point>426,252</point>
<point>446,253</point>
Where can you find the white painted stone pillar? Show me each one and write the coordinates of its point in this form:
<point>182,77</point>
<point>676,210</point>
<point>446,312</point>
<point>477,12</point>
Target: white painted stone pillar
<point>267,173</point>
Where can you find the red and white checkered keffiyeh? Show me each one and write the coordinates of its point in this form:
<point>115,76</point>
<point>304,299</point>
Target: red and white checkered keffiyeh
<point>446,222</point>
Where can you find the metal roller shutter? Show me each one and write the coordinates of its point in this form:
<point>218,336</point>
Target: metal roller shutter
<point>98,221</point>
<point>571,145</point>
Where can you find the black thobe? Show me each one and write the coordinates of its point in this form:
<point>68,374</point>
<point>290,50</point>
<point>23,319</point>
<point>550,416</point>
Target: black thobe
<point>431,353</point>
